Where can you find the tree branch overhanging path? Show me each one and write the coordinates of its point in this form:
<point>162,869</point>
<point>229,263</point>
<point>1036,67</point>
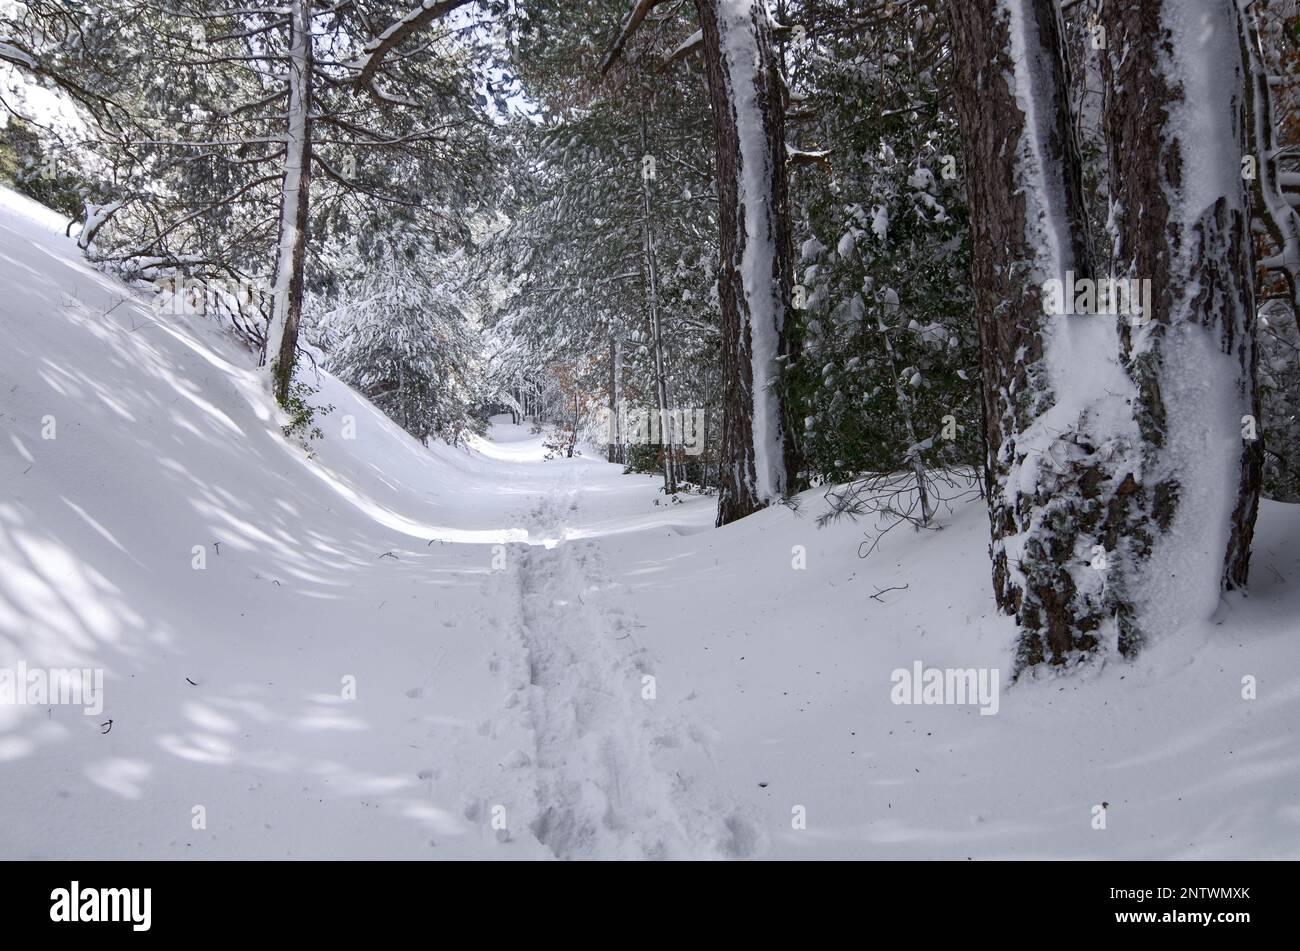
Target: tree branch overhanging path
<point>287,288</point>
<point>398,32</point>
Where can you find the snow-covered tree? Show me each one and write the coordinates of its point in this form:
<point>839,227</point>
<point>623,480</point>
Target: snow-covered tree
<point>611,248</point>
<point>747,92</point>
<point>888,374</point>
<point>232,132</point>
<point>1121,491</point>
<point>404,341</point>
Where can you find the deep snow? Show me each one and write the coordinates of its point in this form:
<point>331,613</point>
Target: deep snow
<point>500,614</point>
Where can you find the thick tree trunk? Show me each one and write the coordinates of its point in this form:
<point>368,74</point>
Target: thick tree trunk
<point>759,465</point>
<point>1055,480</point>
<point>1117,480</point>
<point>1175,130</point>
<point>287,289</point>
<point>1280,219</point>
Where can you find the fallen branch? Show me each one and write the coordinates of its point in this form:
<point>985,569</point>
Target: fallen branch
<point>880,591</point>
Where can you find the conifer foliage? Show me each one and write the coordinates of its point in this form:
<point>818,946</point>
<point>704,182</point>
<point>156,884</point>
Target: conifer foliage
<point>906,253</point>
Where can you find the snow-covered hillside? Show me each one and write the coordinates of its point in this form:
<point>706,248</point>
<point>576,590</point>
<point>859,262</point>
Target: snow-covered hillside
<point>544,661</point>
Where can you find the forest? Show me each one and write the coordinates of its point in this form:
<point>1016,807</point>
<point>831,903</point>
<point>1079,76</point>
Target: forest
<point>497,359</point>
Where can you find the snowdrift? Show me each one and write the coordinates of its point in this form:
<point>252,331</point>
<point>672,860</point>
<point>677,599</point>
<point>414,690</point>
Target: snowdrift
<point>383,650</point>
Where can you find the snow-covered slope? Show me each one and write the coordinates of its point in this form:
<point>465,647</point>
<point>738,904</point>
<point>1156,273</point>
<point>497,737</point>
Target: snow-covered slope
<point>546,662</point>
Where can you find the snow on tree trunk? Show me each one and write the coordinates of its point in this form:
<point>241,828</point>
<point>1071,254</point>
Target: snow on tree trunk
<point>1175,131</point>
<point>287,288</point>
<point>1117,479</point>
<point>1056,415</point>
<point>620,435</point>
<point>755,281</point>
<point>611,449</point>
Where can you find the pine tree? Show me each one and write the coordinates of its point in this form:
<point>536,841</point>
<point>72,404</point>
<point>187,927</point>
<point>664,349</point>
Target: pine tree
<point>888,374</point>
<point>232,134</point>
<point>1113,441</point>
<point>407,346</point>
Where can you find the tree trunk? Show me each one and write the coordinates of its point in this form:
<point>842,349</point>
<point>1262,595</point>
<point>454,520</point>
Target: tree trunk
<point>1052,493</point>
<point>759,464</point>
<point>656,328</point>
<point>907,406</point>
<point>619,430</point>
<point>1175,130</point>
<point>1114,456</point>
<point>612,425</point>
<point>287,289</point>
<point>1281,221</point>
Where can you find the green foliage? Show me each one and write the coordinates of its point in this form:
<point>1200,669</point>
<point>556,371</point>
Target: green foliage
<point>39,170</point>
<point>644,457</point>
<point>303,414</point>
<point>889,344</point>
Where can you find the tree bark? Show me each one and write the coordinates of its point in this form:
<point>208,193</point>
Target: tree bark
<point>281,351</point>
<point>1270,207</point>
<point>1050,492</point>
<point>759,465</point>
<point>1176,132</point>
<point>656,324</point>
<point>612,426</point>
<point>1120,494</point>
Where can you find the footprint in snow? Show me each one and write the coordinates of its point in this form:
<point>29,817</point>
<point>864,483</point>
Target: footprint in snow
<point>517,759</point>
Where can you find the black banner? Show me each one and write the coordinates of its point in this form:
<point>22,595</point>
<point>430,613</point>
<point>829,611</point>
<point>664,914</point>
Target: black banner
<point>331,900</point>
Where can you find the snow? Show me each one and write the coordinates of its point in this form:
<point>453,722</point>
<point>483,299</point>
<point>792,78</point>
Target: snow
<point>13,54</point>
<point>692,41</point>
<point>399,25</point>
<point>96,215</point>
<point>296,159</point>
<point>846,245</point>
<point>880,222</point>
<point>1204,404</point>
<point>517,695</point>
<point>739,41</point>
<point>1044,196</point>
<point>811,249</point>
<point>1090,393</point>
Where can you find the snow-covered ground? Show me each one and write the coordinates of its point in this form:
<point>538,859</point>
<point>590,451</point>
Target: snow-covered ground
<point>393,651</point>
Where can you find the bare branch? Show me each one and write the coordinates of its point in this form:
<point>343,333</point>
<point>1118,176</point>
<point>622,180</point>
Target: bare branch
<point>797,157</point>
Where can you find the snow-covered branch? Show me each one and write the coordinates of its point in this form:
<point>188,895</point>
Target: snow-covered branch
<point>635,16</point>
<point>392,37</point>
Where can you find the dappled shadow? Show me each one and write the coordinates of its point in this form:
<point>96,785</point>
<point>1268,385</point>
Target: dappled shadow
<point>157,526</point>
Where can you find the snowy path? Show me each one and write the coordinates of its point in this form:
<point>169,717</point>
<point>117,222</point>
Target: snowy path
<point>377,649</point>
<point>592,705</point>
